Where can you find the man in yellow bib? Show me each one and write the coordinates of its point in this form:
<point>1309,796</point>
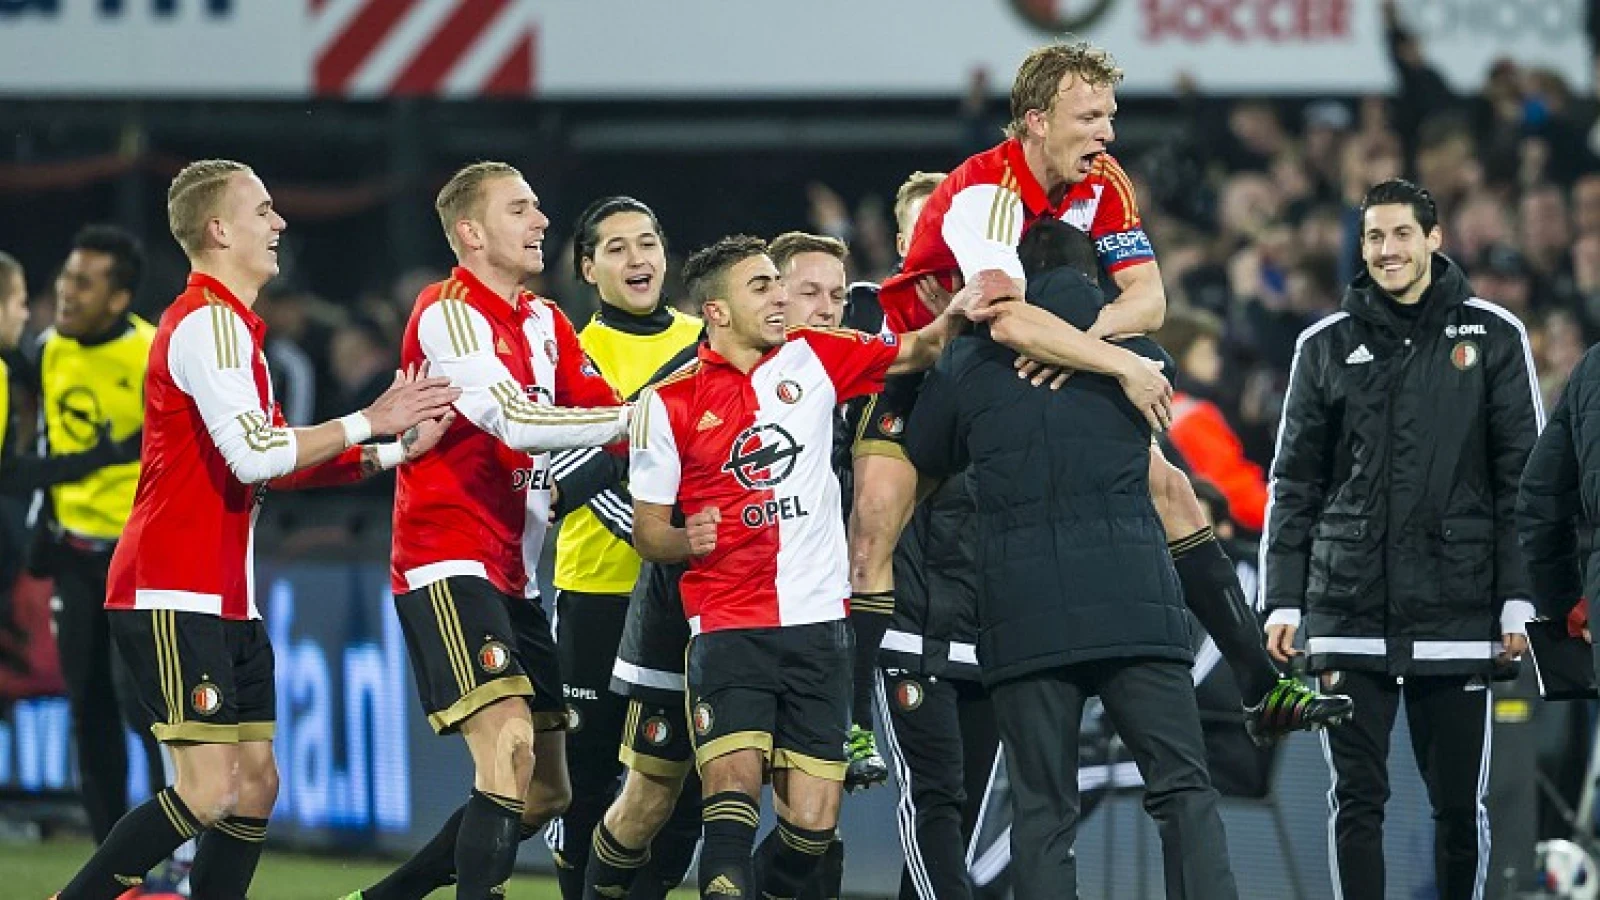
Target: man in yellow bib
<point>91,369</point>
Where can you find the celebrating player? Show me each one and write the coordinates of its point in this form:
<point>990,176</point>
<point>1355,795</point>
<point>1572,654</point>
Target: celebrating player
<point>742,438</point>
<point>181,595</point>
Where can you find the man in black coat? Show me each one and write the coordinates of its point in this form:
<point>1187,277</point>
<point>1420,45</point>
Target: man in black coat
<point>1076,591</point>
<point>1559,490</point>
<point>1390,531</point>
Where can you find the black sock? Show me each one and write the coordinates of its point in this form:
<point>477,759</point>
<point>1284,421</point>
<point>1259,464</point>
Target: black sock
<point>430,868</point>
<point>226,858</point>
<point>827,880</point>
<point>612,866</point>
<point>794,858</point>
<point>138,841</point>
<point>730,833</point>
<point>1211,589</point>
<point>571,864</point>
<point>870,612</point>
<point>486,849</point>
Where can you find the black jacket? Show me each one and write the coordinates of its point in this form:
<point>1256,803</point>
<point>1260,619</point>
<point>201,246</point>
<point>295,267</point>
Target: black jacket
<point>1391,517</point>
<point>934,630</point>
<point>1560,491</point>
<point>1072,561</point>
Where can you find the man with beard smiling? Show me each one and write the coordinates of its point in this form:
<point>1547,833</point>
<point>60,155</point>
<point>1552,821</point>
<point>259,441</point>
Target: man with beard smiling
<point>1391,534</point>
<point>742,439</point>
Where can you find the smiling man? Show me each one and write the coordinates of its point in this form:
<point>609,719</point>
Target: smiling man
<point>1391,533</point>
<point>741,441</point>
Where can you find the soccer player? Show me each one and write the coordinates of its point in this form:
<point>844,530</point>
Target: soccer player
<point>620,249</point>
<point>90,373</point>
<point>181,593</point>
<point>1055,163</point>
<point>470,520</point>
<point>742,438</point>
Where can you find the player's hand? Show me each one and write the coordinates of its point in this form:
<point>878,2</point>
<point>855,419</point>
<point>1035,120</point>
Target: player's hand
<point>413,398</point>
<point>934,296</point>
<point>702,530</point>
<point>1280,643</point>
<point>1037,373</point>
<point>1513,646</point>
<point>1149,391</point>
<point>425,435</point>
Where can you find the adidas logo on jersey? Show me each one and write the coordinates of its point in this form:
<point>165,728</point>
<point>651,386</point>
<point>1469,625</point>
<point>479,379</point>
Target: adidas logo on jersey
<point>708,421</point>
<point>723,885</point>
<point>1358,356</point>
<point>501,347</point>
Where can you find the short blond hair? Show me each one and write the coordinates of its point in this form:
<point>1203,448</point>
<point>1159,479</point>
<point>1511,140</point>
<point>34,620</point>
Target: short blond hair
<point>919,186</point>
<point>1039,78</point>
<point>462,196</point>
<point>192,199</point>
<point>785,247</point>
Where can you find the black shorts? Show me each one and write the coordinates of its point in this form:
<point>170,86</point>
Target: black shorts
<point>471,645</point>
<point>649,664</point>
<point>655,739</point>
<point>200,678</point>
<point>784,691</point>
<point>879,421</point>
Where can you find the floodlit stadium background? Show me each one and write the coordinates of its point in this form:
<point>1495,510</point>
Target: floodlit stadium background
<point>1248,127</point>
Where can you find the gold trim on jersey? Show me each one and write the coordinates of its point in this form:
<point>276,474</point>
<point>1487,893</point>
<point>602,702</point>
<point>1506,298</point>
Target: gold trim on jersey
<point>1119,181</point>
<point>223,334</point>
<point>259,435</point>
<point>1002,210</point>
<point>516,408</point>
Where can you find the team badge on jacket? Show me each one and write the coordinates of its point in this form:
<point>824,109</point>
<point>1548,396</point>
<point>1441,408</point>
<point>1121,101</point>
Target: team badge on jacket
<point>908,694</point>
<point>1465,355</point>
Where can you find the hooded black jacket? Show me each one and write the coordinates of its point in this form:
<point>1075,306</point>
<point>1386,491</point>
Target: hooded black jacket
<point>1072,561</point>
<point>1391,518</point>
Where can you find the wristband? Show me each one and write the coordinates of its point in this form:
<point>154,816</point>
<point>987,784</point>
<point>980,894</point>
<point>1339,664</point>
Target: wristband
<point>390,455</point>
<point>356,427</point>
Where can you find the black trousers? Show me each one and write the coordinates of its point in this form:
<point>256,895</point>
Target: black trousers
<point>588,630</point>
<point>98,692</point>
<point>940,738</point>
<point>1450,738</point>
<point>1151,703</point>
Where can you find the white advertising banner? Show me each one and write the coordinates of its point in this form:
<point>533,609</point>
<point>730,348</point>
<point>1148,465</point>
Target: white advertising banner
<point>743,48</point>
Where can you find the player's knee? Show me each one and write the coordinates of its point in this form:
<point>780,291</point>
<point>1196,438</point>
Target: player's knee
<point>1175,498</point>
<point>648,800</point>
<point>212,796</point>
<point>546,801</point>
<point>258,788</point>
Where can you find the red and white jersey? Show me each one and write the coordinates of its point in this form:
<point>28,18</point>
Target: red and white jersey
<point>976,217</point>
<point>213,437</point>
<point>479,503</point>
<point>758,447</point>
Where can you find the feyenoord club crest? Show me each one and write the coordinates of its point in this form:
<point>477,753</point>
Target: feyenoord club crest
<point>1056,17</point>
<point>206,698</point>
<point>550,350</point>
<point>891,424</point>
<point>908,694</point>
<point>494,657</point>
<point>789,391</point>
<point>656,731</point>
<point>574,718</point>
<point>702,718</point>
<point>1465,355</point>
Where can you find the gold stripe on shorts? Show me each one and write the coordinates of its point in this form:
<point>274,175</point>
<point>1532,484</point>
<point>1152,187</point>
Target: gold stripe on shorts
<point>450,634</point>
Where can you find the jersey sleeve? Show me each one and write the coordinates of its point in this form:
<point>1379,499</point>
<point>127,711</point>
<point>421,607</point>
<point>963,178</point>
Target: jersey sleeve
<point>654,469</point>
<point>458,344</point>
<point>1117,230</point>
<point>855,361</point>
<point>578,380</point>
<point>209,356</point>
<point>982,229</point>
